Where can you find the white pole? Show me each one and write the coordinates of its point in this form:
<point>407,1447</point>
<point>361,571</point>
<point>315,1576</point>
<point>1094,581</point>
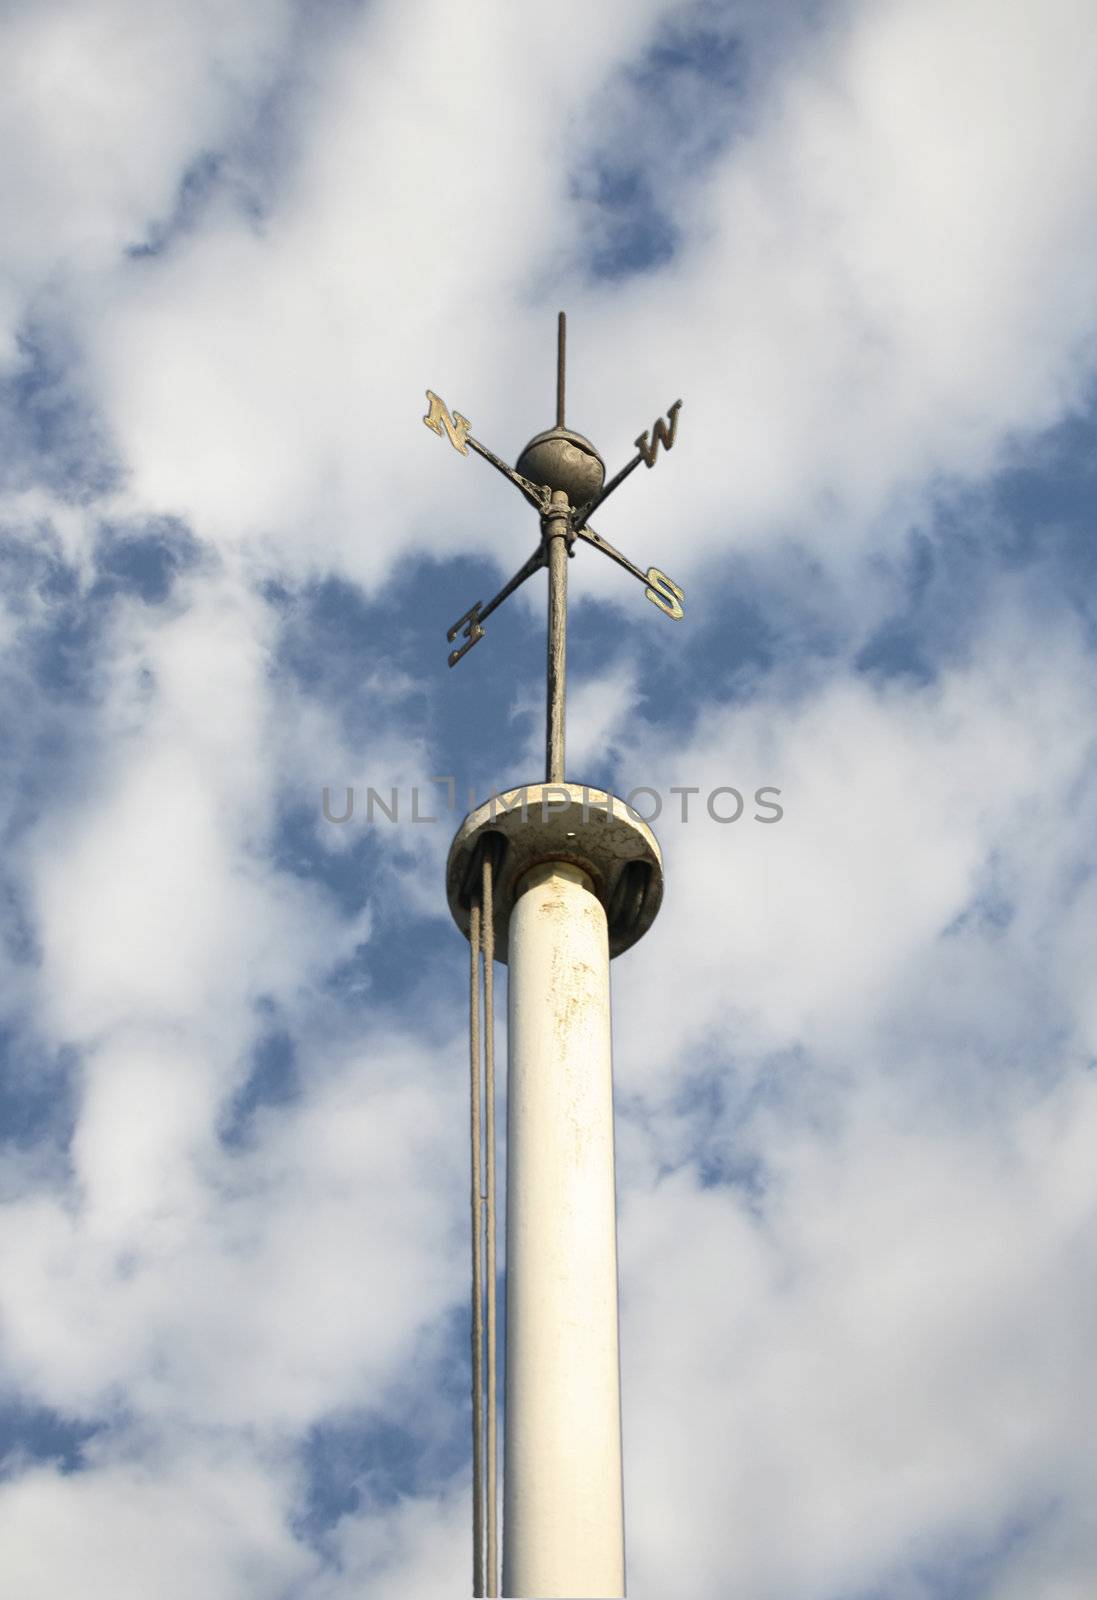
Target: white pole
<point>563,1518</point>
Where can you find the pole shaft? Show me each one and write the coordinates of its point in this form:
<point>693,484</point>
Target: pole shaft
<point>487,934</point>
<point>563,1516</point>
<point>556,528</point>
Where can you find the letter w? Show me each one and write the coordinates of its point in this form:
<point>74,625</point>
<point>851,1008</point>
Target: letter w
<point>659,436</point>
<point>457,426</point>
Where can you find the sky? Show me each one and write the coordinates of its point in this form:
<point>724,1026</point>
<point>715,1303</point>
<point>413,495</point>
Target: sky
<point>855,1056</point>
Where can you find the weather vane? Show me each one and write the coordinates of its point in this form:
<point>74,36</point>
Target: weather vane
<point>563,477</point>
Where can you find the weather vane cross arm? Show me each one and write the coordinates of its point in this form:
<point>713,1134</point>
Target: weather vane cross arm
<point>469,624</point>
<point>453,425</point>
<point>660,590</point>
<point>660,433</point>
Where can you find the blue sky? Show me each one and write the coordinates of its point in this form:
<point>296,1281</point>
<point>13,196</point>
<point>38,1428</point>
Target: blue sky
<point>856,1103</point>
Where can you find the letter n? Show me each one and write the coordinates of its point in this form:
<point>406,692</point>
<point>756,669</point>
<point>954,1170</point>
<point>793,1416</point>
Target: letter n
<point>457,426</point>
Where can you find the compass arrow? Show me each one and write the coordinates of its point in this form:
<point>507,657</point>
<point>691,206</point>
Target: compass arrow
<point>658,587</point>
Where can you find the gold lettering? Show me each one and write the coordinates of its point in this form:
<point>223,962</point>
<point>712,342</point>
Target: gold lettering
<point>472,632</point>
<point>664,594</point>
<point>659,436</point>
<point>439,419</point>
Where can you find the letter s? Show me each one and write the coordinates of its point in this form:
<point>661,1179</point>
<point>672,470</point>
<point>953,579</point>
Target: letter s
<point>770,805</point>
<point>665,594</point>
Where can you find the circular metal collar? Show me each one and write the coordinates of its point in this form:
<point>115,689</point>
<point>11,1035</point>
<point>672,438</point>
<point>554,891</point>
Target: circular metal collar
<point>566,822</point>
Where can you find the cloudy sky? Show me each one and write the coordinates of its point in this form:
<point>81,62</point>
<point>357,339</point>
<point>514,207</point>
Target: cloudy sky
<point>856,1097</point>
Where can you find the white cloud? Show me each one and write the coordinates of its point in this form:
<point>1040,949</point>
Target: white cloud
<point>152,894</point>
<point>104,108</point>
<point>200,1521</point>
<point>421,1547</point>
<point>892,1360</point>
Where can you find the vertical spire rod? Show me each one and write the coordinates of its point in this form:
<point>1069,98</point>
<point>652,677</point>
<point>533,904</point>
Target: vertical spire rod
<point>556,530</point>
<point>555,527</point>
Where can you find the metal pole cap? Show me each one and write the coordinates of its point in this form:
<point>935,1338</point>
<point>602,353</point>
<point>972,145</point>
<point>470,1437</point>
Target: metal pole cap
<point>569,823</point>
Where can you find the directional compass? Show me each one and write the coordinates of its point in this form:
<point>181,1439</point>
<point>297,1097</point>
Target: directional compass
<point>563,477</point>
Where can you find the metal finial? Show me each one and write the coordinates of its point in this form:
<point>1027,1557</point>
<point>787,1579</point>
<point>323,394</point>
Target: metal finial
<point>561,365</point>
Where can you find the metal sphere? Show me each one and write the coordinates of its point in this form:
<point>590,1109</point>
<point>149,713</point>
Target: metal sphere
<point>564,460</point>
